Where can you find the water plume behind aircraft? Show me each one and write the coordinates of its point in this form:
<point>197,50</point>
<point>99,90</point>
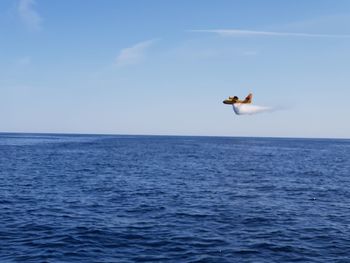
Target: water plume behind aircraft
<point>249,109</point>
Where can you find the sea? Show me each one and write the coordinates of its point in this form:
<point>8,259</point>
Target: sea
<point>109,198</point>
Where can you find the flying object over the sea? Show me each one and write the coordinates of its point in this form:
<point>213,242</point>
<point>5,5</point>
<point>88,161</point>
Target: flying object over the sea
<point>244,107</point>
<point>235,99</point>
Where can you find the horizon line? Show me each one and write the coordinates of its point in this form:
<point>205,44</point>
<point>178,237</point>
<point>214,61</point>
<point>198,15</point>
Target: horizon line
<point>173,135</point>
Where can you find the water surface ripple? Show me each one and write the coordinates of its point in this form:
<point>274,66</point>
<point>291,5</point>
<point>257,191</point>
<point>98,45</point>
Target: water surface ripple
<point>72,198</point>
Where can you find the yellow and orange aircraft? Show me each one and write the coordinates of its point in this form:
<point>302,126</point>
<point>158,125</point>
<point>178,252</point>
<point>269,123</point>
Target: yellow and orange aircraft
<point>235,99</point>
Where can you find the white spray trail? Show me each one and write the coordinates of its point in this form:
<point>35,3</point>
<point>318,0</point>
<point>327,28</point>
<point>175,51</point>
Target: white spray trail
<point>249,109</point>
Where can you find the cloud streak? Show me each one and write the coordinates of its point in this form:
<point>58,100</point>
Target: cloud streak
<point>134,54</point>
<point>24,61</point>
<point>243,33</point>
<point>28,14</point>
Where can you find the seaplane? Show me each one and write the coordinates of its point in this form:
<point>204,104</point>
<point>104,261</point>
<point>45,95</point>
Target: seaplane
<point>236,100</point>
<point>244,107</point>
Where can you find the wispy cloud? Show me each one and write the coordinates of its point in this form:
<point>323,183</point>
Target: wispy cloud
<point>250,53</point>
<point>28,14</point>
<point>242,33</point>
<point>134,54</point>
<point>23,61</point>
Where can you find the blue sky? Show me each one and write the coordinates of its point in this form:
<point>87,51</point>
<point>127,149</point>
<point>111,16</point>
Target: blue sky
<point>164,67</point>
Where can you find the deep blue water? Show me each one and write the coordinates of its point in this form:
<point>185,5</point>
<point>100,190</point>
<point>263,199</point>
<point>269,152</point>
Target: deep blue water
<point>70,198</point>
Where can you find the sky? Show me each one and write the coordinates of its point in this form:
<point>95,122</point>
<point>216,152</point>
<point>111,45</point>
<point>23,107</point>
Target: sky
<point>164,67</point>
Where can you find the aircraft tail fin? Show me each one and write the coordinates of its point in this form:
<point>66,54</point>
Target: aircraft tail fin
<point>249,98</point>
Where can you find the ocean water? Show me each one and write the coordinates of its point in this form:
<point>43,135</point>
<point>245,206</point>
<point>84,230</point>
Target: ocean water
<point>85,198</point>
